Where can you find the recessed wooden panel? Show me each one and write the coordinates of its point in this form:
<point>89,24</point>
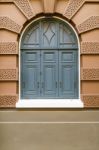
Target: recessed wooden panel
<point>31,56</point>
<point>49,34</point>
<point>49,68</point>
<point>30,78</point>
<point>67,74</point>
<point>49,56</point>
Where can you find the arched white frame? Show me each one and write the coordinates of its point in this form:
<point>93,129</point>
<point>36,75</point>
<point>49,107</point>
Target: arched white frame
<point>47,103</point>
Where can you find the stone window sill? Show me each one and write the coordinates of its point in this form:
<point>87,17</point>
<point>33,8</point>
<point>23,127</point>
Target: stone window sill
<point>50,103</point>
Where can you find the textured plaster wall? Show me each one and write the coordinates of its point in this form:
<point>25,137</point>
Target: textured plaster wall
<point>15,14</point>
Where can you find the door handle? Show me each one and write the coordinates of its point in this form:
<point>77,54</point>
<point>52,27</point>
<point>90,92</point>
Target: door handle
<point>37,84</point>
<point>75,84</point>
<point>56,84</point>
<point>23,84</point>
<point>42,84</point>
<point>60,84</point>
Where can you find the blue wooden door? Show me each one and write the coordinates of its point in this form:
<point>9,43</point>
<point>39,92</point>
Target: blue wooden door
<point>49,75</point>
<point>49,61</point>
<point>67,74</point>
<point>30,74</point>
<point>39,74</point>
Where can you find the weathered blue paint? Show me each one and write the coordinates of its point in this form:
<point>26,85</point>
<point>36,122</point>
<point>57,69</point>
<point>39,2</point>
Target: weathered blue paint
<point>49,62</point>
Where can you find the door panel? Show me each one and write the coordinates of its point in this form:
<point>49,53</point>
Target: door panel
<point>66,80</point>
<point>32,39</point>
<point>49,34</point>
<point>67,74</point>
<point>30,75</point>
<point>49,74</point>
<point>49,78</point>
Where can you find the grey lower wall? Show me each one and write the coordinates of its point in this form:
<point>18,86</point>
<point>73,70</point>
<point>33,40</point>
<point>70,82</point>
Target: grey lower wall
<point>49,130</point>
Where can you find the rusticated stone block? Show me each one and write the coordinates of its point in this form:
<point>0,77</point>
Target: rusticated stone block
<point>7,23</point>
<point>8,74</point>
<point>89,24</point>
<point>90,100</point>
<point>90,48</point>
<point>8,100</point>
<point>25,7</point>
<point>73,7</point>
<point>90,74</point>
<point>8,48</point>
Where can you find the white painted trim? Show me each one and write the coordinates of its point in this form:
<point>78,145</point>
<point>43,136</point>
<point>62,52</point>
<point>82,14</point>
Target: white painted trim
<point>56,103</point>
<point>51,103</point>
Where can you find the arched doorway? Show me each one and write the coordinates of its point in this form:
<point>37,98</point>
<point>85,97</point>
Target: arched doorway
<point>49,61</point>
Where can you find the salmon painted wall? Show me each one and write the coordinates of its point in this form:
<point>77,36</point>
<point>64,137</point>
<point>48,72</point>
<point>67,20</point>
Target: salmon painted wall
<point>16,14</point>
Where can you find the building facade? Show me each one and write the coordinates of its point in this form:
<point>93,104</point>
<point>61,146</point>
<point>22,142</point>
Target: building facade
<point>49,49</point>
